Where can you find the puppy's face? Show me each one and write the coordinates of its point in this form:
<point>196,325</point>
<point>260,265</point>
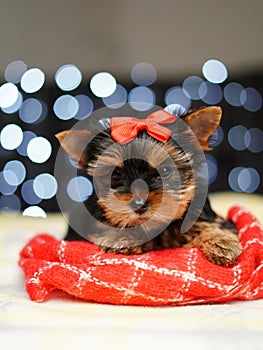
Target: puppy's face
<point>144,182</point>
<point>140,182</point>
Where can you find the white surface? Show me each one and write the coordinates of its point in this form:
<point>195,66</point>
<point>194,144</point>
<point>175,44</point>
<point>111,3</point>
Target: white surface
<point>66,323</point>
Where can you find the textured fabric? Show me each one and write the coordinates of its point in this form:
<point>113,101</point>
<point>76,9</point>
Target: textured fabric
<point>168,277</point>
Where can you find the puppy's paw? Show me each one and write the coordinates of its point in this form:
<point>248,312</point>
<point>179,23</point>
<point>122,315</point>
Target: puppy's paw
<point>222,250</point>
<point>220,246</point>
<point>123,245</point>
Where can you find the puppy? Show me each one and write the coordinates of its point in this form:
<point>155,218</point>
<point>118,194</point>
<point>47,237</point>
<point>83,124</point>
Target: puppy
<point>145,181</point>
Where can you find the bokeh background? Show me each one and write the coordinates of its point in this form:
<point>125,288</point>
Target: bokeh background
<point>61,60</point>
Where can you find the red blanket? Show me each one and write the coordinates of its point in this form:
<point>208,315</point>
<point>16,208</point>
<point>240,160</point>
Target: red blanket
<point>168,277</point>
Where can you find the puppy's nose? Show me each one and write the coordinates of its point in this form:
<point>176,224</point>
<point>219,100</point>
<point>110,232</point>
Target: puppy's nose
<point>139,205</point>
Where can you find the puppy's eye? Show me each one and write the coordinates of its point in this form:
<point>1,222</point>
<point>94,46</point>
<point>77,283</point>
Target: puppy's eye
<point>164,172</point>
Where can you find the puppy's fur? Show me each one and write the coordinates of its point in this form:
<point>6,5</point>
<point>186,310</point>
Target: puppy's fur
<point>120,204</point>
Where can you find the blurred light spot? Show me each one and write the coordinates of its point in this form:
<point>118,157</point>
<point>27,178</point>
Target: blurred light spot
<point>66,107</point>
<point>117,99</point>
<point>10,203</point>
<point>210,93</point>
<point>236,137</point>
<point>33,111</point>
<point>32,80</point>
<point>79,188</point>
<point>179,96</point>
<point>212,168</point>
<point>143,74</point>
<point>10,177</point>
<point>217,137</point>
<point>27,136</point>
<point>8,95</point>
<point>45,186</point>
<point>14,71</point>
<point>103,84</point>
<point>251,99</point>
<point>15,107</point>
<point>28,193</point>
<point>11,136</point>
<point>248,180</point>
<point>5,188</point>
<point>214,71</point>
<point>232,94</point>
<point>191,86</point>
<point>141,98</point>
<point>68,77</point>
<point>233,179</point>
<point>203,172</point>
<point>14,172</point>
<point>244,179</point>
<point>247,138</point>
<point>254,140</point>
<point>86,106</point>
<point>39,149</point>
<point>35,212</point>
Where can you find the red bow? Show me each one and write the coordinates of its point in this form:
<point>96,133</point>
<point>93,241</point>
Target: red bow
<point>125,129</point>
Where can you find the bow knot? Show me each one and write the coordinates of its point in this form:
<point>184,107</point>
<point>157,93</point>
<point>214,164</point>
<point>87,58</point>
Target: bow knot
<point>125,129</point>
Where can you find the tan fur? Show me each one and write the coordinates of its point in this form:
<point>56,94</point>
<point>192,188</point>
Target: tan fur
<point>219,245</point>
<point>123,216</point>
<point>111,157</point>
<point>150,150</point>
<point>166,206</point>
<point>203,123</point>
<point>156,154</point>
<point>74,143</point>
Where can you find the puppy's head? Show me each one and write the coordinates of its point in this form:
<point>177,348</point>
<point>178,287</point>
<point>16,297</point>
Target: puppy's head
<point>145,180</point>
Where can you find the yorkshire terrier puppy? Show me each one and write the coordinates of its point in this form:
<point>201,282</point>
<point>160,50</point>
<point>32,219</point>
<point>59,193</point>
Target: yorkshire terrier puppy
<point>145,183</point>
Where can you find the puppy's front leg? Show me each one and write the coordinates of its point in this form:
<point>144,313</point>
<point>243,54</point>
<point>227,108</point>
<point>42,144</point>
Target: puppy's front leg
<point>114,242</point>
<point>220,245</point>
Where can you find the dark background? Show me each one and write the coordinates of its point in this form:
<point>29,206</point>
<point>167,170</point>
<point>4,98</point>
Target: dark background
<point>176,37</point>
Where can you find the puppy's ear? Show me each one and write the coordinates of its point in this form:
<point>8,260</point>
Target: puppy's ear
<point>203,123</point>
<point>74,142</point>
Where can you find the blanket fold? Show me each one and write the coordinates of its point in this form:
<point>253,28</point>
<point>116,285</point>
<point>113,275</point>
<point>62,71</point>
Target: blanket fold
<point>178,276</point>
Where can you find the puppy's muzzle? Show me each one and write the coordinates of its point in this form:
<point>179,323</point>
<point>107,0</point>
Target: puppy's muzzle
<point>140,191</point>
<point>139,205</point>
